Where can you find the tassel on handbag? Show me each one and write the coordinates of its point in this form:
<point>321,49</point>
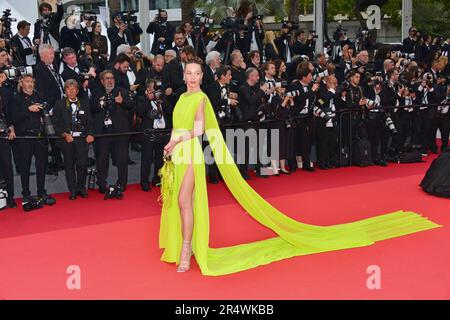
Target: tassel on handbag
<point>167,175</point>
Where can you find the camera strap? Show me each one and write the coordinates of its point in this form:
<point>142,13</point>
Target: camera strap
<point>74,113</point>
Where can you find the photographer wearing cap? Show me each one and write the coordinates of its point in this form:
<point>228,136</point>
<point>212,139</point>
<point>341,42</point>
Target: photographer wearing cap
<point>73,122</point>
<point>163,33</point>
<point>27,119</point>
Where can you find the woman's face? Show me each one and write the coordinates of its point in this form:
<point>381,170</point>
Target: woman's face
<point>283,68</point>
<point>193,75</point>
<point>98,28</point>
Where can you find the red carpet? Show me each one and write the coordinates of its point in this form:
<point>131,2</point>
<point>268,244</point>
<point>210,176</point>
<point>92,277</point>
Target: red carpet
<point>115,243</point>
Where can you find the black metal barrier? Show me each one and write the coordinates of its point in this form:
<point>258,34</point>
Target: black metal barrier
<point>154,134</point>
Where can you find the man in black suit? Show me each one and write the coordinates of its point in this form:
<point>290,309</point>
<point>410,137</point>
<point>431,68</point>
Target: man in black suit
<point>410,43</point>
<point>225,105</point>
<point>72,120</point>
<point>173,82</point>
<point>155,114</point>
<point>49,87</point>
<point>46,30</point>
<point>120,71</point>
<point>27,120</point>
<point>251,96</point>
<point>24,51</point>
<point>163,33</point>
<point>122,33</point>
<point>110,105</point>
<point>212,63</point>
<point>83,72</point>
<point>284,43</point>
<point>180,42</point>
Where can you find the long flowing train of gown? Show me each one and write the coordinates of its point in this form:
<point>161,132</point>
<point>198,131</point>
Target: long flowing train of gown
<point>294,238</point>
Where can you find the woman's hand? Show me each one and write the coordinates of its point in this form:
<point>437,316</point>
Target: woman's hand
<point>168,149</point>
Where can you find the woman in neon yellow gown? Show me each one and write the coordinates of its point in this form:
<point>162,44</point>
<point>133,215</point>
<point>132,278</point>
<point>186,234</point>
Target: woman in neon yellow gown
<point>181,232</point>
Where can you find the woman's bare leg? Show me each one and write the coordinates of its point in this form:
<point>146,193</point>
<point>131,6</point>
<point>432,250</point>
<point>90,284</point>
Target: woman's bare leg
<point>185,202</point>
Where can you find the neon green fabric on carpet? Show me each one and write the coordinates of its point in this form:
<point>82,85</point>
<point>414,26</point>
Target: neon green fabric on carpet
<point>294,238</point>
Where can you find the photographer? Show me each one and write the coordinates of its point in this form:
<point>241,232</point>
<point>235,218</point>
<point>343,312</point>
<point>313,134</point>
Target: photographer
<point>155,114</point>
<point>304,99</point>
<point>163,33</point>
<point>73,120</point>
<point>24,52</point>
<point>255,32</point>
<point>46,29</point>
<point>87,23</point>
<point>84,74</point>
<point>430,92</point>
<point>110,105</point>
<point>377,131</point>
<point>7,133</point>
<point>124,31</point>
<point>225,106</point>
<point>304,46</point>
<point>238,67</point>
<point>340,40</point>
<point>410,43</point>
<point>252,96</point>
<point>179,40</point>
<point>284,43</point>
<point>326,125</point>
<point>27,118</point>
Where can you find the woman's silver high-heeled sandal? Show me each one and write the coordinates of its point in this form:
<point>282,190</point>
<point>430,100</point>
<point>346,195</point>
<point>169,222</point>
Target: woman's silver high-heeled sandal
<point>185,265</point>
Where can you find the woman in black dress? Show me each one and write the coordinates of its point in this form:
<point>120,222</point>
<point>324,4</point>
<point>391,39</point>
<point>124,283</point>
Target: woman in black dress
<point>437,178</point>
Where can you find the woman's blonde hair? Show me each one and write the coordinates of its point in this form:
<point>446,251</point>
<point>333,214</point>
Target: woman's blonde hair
<point>269,37</point>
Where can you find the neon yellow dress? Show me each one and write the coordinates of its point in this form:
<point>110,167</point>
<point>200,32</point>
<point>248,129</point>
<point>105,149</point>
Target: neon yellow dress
<point>294,238</point>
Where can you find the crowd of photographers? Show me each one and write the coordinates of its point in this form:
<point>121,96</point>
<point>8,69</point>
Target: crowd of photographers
<point>67,83</point>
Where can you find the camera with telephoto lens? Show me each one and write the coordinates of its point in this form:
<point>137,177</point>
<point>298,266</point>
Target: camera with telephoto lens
<point>47,123</point>
<point>46,21</point>
<point>106,102</point>
<point>321,114</point>
<point>281,84</point>
<point>89,16</point>
<point>390,124</point>
<point>319,75</point>
<point>15,73</point>
<point>128,17</point>
<point>86,76</point>
<point>231,24</point>
<point>429,79</point>
<point>408,56</point>
<point>313,32</point>
<point>160,95</point>
<point>201,19</point>
<point>114,192</point>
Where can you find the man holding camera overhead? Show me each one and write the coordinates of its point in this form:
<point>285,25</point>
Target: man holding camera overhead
<point>125,31</point>
<point>73,122</point>
<point>110,105</point>
<point>46,29</point>
<point>27,118</point>
<point>163,33</point>
<point>24,51</point>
